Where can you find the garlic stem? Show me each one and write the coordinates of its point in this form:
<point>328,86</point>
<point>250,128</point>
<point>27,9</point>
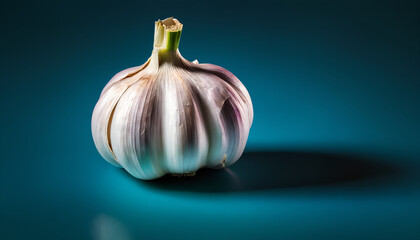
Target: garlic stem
<point>165,46</point>
<point>167,34</point>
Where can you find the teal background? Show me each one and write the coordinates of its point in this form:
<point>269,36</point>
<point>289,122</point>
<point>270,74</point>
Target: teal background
<point>333,152</point>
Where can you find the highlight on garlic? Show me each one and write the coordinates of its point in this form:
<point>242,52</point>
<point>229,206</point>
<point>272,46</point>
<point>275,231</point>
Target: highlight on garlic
<point>170,115</point>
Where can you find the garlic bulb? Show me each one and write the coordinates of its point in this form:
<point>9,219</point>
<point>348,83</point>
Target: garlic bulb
<point>170,115</point>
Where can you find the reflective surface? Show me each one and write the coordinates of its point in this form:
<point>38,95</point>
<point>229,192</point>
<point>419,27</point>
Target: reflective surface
<point>333,152</point>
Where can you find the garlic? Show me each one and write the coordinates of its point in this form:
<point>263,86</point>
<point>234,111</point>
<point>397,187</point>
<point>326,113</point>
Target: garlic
<point>170,115</point>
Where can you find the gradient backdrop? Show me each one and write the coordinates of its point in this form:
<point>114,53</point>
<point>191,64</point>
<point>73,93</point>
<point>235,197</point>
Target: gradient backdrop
<point>333,152</point>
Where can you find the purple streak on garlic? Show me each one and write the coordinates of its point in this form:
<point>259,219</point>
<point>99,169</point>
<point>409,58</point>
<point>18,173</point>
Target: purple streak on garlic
<point>170,115</point>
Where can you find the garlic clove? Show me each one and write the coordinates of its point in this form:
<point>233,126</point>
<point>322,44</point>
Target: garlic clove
<point>185,137</point>
<point>225,113</point>
<point>133,146</point>
<point>102,116</point>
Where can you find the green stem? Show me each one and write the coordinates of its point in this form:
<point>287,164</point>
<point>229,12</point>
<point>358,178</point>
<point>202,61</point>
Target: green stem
<point>167,34</point>
<point>173,40</point>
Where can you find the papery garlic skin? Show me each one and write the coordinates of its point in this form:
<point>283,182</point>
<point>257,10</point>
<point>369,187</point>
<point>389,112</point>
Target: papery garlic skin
<point>170,115</point>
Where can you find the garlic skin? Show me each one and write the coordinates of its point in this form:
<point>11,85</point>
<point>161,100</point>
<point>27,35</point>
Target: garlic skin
<point>170,115</point>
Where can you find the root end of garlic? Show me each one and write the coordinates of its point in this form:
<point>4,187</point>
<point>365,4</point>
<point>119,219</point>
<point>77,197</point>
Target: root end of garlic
<point>186,174</point>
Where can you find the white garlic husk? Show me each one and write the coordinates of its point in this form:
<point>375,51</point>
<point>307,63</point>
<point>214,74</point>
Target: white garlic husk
<point>170,115</point>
